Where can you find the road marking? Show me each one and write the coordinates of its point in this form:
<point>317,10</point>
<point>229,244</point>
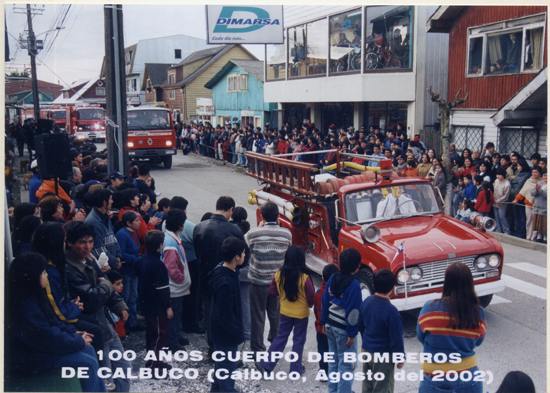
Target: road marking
<point>529,267</point>
<point>499,300</point>
<point>524,287</point>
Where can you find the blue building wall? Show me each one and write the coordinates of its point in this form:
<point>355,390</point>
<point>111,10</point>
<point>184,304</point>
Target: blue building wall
<point>231,104</point>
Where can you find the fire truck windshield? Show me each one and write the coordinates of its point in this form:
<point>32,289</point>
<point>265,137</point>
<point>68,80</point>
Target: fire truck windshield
<point>90,114</point>
<point>391,201</point>
<point>148,120</point>
<point>59,114</point>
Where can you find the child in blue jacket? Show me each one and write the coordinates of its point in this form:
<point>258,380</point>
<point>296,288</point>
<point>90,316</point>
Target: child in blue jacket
<point>340,317</point>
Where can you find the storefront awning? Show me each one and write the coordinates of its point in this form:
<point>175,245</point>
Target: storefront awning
<point>528,106</point>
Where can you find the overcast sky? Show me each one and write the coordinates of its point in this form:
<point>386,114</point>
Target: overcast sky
<point>78,50</point>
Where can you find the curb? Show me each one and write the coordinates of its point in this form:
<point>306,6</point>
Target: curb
<point>516,241</point>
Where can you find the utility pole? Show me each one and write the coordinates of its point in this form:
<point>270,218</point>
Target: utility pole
<point>115,84</point>
<point>32,53</point>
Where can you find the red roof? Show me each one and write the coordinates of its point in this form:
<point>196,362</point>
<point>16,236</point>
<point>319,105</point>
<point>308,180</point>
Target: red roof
<point>26,85</point>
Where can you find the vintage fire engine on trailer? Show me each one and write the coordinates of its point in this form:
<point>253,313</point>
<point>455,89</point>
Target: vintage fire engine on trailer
<point>87,122</point>
<point>395,223</point>
<point>151,134</point>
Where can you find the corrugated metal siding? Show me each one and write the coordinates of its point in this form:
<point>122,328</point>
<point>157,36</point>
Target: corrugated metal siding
<point>196,88</point>
<point>488,92</point>
<point>437,72</point>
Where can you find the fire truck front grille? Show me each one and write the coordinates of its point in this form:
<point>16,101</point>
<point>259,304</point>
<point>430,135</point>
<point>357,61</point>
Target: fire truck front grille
<point>433,274</point>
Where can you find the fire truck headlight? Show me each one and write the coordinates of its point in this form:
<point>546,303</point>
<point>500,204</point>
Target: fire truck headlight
<point>403,276</point>
<point>168,143</point>
<point>481,263</point>
<point>79,128</point>
<point>494,260</point>
<point>102,127</point>
<point>130,144</point>
<point>416,274</point>
<point>96,126</point>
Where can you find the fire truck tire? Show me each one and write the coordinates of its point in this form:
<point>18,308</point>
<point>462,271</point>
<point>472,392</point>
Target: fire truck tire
<point>485,300</point>
<point>167,162</point>
<point>365,277</point>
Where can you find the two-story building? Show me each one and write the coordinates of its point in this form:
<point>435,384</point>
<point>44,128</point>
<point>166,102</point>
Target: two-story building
<point>160,50</point>
<point>499,56</point>
<point>357,65</point>
<point>90,91</point>
<point>184,89</point>
<point>238,94</point>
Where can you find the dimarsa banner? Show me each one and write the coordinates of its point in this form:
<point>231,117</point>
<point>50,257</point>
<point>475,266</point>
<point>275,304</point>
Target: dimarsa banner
<point>244,24</point>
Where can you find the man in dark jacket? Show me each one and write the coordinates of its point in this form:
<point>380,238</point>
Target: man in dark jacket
<point>87,281</point>
<point>226,316</point>
<point>207,239</point>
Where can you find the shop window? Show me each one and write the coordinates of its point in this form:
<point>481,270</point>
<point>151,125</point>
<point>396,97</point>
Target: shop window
<point>247,121</point>
<point>524,140</point>
<point>345,41</point>
<point>388,37</point>
<point>507,47</point>
<point>276,61</point>
<point>297,51</point>
<point>308,51</point>
<point>317,51</point>
<point>467,137</point>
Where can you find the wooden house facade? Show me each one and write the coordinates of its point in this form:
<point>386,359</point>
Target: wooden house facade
<point>498,54</point>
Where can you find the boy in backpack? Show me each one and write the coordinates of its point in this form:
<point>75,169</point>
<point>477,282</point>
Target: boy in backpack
<point>381,332</point>
<point>340,317</point>
<point>154,295</point>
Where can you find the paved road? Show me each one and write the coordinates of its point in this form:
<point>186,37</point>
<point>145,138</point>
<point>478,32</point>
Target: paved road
<point>516,338</point>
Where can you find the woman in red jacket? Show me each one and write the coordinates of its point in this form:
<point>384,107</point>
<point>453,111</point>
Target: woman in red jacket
<point>131,202</point>
<point>485,199</point>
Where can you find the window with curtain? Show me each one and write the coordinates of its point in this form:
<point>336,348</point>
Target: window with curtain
<point>507,47</point>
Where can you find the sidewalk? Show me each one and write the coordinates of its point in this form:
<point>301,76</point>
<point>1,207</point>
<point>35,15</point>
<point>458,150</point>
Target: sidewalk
<point>516,241</point>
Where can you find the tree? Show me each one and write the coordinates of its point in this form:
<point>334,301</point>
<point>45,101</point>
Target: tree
<point>22,74</point>
<point>444,113</point>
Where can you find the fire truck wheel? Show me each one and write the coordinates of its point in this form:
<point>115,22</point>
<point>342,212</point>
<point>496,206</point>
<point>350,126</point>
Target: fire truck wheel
<point>485,300</point>
<point>168,162</point>
<point>365,276</point>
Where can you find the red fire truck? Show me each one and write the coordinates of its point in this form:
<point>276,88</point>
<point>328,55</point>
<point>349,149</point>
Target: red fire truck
<point>60,116</point>
<point>87,122</point>
<point>395,223</point>
<point>151,134</point>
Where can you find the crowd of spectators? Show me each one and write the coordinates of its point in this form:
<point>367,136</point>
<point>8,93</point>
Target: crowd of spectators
<point>516,194</point>
<point>92,253</point>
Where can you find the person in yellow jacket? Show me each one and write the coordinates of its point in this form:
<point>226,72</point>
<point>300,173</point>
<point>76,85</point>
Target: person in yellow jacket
<point>296,292</point>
